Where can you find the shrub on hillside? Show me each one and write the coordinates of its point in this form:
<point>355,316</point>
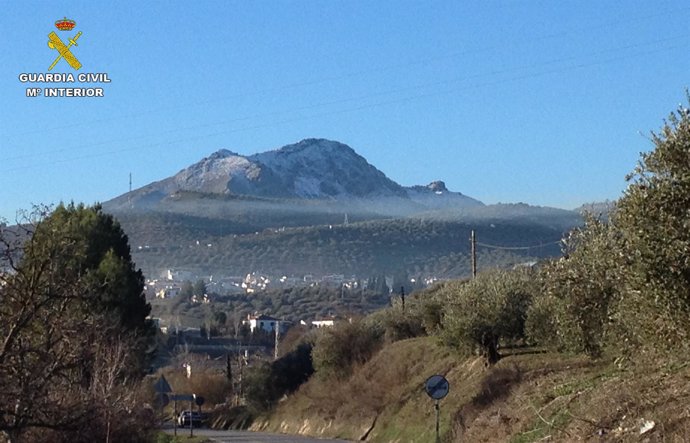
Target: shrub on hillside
<point>483,311</point>
<point>396,324</point>
<point>430,311</point>
<point>653,218</point>
<point>580,290</point>
<point>269,382</point>
<point>541,324</point>
<point>259,389</point>
<point>338,349</point>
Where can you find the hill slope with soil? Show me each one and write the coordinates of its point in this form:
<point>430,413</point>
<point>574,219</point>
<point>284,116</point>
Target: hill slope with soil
<point>528,396</point>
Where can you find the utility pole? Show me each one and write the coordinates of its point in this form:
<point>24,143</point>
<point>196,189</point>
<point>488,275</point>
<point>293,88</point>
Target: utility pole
<point>402,297</point>
<point>275,350</point>
<point>228,368</point>
<point>129,195</point>
<point>240,362</point>
<point>474,255</point>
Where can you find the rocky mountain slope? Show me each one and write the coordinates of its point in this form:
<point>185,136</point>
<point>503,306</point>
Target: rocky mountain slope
<point>312,169</point>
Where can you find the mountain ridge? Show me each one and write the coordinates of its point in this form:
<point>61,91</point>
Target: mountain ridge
<point>317,206</point>
<point>310,169</point>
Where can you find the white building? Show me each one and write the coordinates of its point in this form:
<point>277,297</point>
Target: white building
<point>266,323</point>
<point>178,275</point>
<point>323,323</point>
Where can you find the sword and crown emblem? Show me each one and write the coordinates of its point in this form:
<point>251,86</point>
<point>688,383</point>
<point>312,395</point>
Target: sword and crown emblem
<point>54,42</point>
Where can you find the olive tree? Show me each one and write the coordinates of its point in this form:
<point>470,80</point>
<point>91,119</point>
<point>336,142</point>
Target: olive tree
<point>339,349</point>
<point>480,313</point>
<point>654,217</point>
<point>579,290</point>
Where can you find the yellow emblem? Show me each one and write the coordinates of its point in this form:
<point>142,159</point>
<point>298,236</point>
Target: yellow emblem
<point>54,42</point>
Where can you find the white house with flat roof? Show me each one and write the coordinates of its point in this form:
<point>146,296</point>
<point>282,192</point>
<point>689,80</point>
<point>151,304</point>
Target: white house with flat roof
<point>266,323</point>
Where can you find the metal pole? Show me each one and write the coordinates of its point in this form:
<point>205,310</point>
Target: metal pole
<point>175,419</point>
<point>438,412</point>
<point>191,421</point>
<point>275,350</point>
<point>474,255</point>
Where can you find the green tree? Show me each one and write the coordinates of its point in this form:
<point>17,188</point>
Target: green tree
<point>186,291</point>
<point>481,312</point>
<point>338,349</point>
<point>580,290</point>
<point>268,382</point>
<point>199,288</point>
<point>653,217</point>
<point>221,318</point>
<point>73,298</point>
<point>98,254</point>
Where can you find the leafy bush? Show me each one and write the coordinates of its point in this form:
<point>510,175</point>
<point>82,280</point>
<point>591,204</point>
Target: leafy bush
<point>580,289</point>
<point>338,349</point>
<point>653,217</point>
<point>541,324</point>
<point>430,311</point>
<point>397,325</point>
<point>268,382</point>
<point>481,312</point>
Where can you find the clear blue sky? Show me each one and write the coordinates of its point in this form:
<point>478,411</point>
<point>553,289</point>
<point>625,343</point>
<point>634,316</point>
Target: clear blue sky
<point>542,102</point>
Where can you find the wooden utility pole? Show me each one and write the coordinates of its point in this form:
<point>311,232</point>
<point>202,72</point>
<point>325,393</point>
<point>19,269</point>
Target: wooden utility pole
<point>240,391</point>
<point>474,255</point>
<point>402,297</point>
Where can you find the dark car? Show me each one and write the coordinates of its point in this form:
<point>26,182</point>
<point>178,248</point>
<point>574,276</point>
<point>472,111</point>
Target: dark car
<point>187,417</point>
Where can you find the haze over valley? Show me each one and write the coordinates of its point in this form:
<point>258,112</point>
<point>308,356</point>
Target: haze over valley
<point>318,208</point>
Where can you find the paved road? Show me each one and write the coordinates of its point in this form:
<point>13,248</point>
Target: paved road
<point>251,437</point>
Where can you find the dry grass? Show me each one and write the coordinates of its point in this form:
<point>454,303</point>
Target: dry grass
<point>527,397</point>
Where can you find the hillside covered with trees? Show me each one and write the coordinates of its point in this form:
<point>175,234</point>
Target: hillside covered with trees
<point>418,247</point>
<point>591,345</point>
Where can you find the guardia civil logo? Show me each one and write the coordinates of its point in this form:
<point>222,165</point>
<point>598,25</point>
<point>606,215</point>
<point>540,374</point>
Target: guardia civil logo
<point>61,84</point>
<point>54,42</point>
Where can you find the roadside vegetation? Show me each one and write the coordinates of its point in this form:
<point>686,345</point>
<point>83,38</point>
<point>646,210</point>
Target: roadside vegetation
<point>74,338</point>
<point>589,345</point>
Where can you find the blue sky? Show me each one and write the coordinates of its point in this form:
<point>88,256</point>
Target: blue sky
<point>543,102</point>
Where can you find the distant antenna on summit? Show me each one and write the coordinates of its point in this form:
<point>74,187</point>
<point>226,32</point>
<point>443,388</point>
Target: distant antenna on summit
<point>129,195</point>
<point>346,220</point>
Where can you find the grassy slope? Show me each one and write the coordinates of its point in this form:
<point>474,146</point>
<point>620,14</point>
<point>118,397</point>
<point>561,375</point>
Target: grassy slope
<point>527,397</point>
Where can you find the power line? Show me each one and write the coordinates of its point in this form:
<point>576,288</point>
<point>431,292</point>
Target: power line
<point>517,248</point>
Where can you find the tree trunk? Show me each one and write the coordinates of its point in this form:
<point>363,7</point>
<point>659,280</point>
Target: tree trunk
<point>490,346</point>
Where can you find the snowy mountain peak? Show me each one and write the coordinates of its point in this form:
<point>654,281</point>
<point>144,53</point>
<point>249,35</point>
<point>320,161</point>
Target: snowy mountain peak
<point>312,168</point>
<point>320,168</point>
<point>316,144</point>
<point>213,174</point>
<point>308,151</point>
